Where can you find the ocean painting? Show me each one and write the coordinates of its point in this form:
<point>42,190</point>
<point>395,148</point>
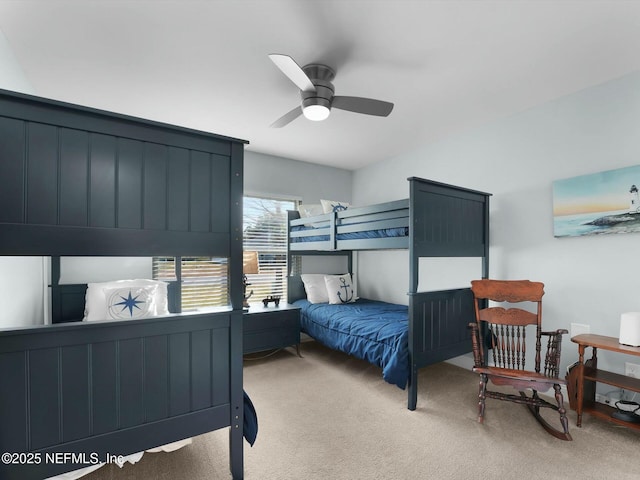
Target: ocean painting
<point>604,202</point>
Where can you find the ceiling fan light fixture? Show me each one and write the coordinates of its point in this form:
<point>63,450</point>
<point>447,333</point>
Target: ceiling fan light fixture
<point>315,108</point>
<point>317,113</point>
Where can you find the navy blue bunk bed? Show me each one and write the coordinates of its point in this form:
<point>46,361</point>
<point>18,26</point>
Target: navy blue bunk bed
<point>76,181</point>
<point>437,220</point>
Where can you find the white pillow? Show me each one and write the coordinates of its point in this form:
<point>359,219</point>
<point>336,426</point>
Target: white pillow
<point>329,206</point>
<point>96,308</point>
<point>340,289</point>
<point>310,210</point>
<point>315,287</point>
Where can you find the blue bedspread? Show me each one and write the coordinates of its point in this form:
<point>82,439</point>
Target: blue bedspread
<point>373,331</point>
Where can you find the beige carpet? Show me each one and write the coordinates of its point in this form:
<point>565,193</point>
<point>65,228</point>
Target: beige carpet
<point>330,416</point>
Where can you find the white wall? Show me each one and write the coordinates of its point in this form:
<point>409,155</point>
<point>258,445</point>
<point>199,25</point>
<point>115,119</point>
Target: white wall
<point>104,269</point>
<point>308,182</point>
<point>11,75</point>
<point>21,292</point>
<point>588,280</point>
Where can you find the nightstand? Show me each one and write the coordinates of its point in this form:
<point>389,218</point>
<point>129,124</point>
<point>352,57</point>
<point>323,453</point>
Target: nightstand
<point>266,328</point>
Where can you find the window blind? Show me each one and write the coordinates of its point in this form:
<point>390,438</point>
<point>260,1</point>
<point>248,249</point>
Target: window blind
<point>204,280</point>
<point>265,232</point>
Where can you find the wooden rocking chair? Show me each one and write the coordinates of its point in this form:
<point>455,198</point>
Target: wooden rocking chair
<point>504,334</point>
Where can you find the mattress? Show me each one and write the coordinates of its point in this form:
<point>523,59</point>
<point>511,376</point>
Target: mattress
<point>381,233</point>
<point>368,329</point>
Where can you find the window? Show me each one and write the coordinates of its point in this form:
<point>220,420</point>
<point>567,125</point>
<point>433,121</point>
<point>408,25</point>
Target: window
<point>265,232</point>
<point>204,280</point>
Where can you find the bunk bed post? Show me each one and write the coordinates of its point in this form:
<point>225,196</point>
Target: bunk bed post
<point>332,230</point>
<point>413,289</point>
<point>291,215</point>
<point>236,456</point>
<point>55,270</point>
<point>485,258</point>
<point>484,303</point>
<point>176,290</point>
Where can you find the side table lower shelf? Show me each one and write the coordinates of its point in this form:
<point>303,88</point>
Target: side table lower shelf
<point>588,375</point>
<point>602,411</point>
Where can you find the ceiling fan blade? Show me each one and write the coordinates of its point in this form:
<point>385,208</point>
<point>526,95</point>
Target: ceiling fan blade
<point>368,106</point>
<point>292,70</point>
<point>287,118</point>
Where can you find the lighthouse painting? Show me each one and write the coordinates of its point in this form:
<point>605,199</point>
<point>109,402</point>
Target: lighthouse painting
<point>599,203</point>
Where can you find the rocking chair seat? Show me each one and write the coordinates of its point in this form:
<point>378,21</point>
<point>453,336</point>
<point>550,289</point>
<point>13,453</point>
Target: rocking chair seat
<point>509,376</point>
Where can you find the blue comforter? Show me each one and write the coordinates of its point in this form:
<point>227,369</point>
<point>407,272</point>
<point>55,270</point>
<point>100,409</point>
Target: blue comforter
<point>373,331</point>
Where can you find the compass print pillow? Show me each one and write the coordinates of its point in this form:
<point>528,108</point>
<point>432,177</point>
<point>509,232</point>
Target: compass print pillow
<point>130,303</point>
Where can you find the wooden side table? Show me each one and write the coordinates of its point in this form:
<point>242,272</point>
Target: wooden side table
<point>267,328</point>
<point>591,373</point>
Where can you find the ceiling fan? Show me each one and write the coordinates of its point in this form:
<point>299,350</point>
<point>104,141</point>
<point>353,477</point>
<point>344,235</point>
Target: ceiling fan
<point>314,81</point>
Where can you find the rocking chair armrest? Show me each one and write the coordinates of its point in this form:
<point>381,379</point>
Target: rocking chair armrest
<point>558,333</point>
<point>552,358</point>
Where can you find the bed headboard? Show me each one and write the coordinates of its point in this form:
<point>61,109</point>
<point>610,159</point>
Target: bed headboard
<point>295,289</point>
<point>295,286</point>
<point>80,181</point>
<point>68,300</point>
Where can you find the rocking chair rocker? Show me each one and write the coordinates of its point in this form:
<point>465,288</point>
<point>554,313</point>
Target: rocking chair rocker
<point>505,330</point>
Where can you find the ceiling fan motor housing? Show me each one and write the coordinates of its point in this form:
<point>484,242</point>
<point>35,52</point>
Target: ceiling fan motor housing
<point>321,77</point>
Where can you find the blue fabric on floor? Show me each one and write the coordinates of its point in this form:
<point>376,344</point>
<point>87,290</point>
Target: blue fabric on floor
<point>250,424</point>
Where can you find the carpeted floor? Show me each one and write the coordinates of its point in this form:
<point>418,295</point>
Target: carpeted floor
<point>331,417</point>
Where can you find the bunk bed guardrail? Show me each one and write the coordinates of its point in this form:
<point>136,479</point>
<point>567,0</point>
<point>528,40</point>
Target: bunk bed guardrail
<point>382,226</point>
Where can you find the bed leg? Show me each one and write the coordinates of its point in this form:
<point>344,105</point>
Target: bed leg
<point>413,389</point>
<point>236,456</point>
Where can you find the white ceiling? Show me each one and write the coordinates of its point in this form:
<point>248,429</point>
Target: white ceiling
<point>447,65</point>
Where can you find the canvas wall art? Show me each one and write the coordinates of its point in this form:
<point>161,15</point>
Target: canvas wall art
<point>599,203</point>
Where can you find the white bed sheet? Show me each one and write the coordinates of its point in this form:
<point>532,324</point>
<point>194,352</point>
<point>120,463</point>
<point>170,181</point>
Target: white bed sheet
<point>132,459</point>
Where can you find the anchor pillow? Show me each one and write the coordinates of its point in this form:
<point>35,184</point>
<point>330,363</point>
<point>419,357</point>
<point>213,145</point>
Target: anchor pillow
<point>340,288</point>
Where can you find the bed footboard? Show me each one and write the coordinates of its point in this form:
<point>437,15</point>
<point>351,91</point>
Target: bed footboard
<point>438,330</point>
<point>71,393</point>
